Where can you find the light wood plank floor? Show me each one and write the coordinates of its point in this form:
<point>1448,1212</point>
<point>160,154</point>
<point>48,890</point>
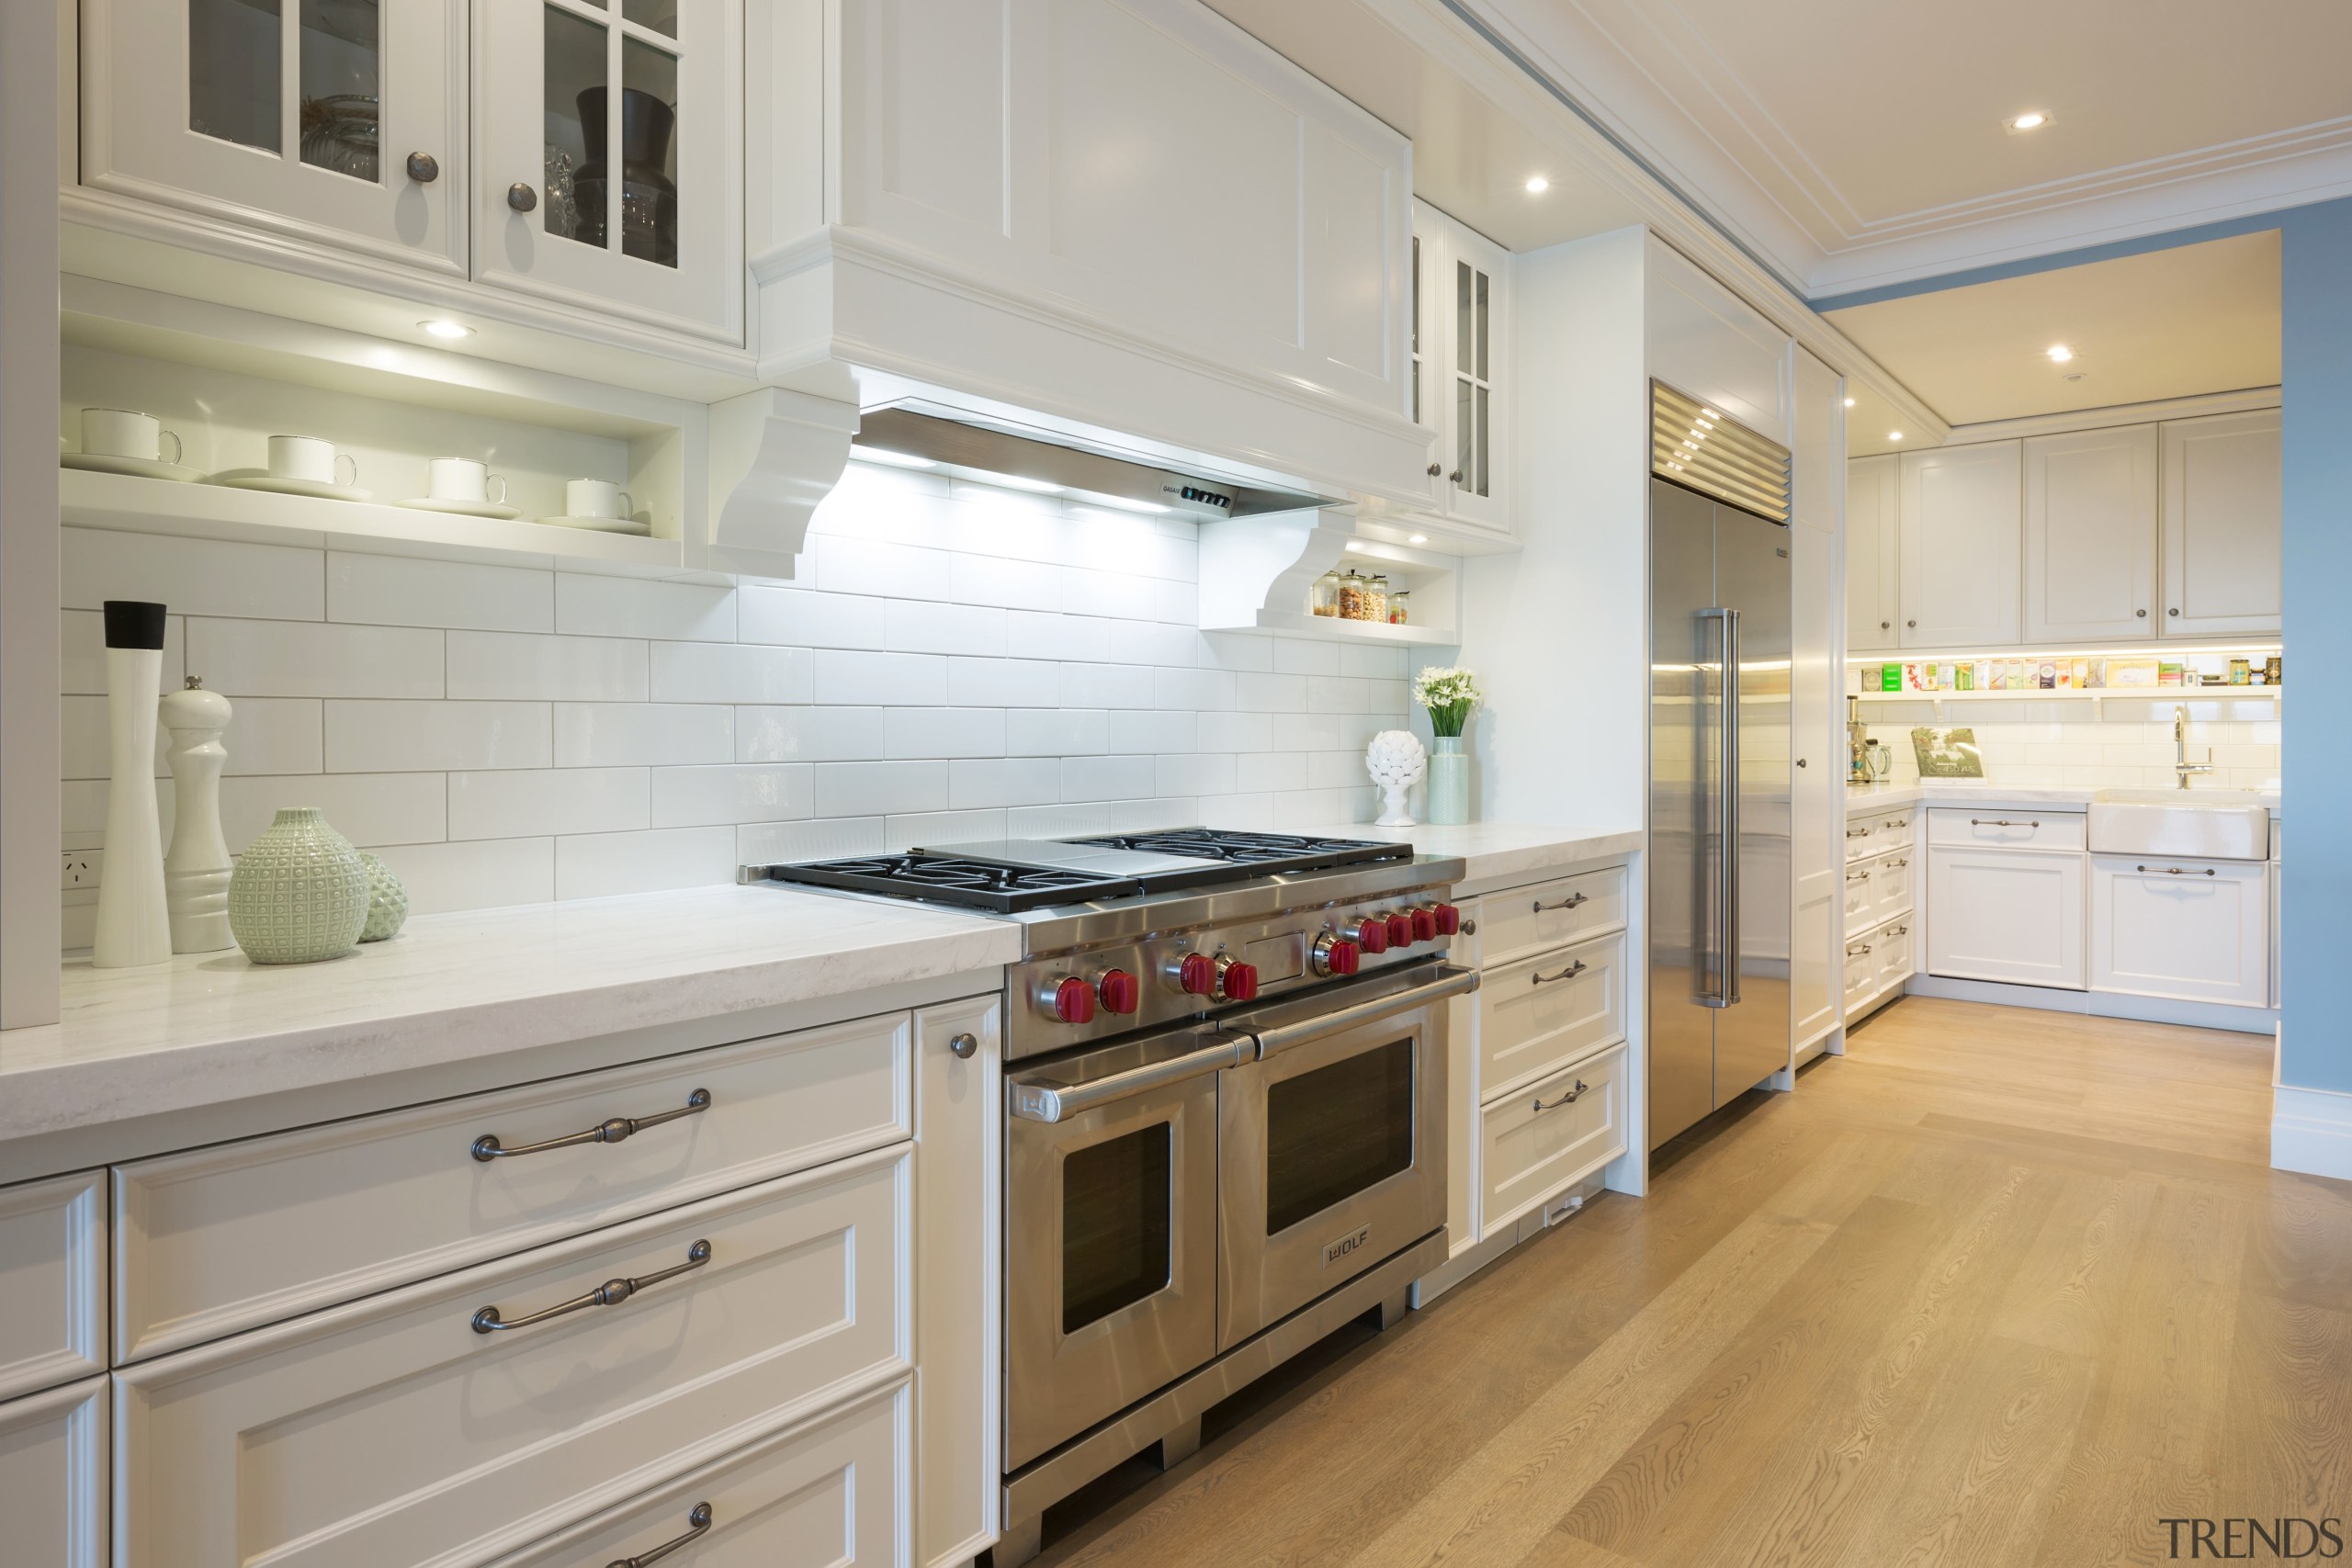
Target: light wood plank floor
<point>1997,1286</point>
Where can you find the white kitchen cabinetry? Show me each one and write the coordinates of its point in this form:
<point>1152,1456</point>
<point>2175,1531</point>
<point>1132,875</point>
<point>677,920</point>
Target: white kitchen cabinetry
<point>2091,535</point>
<point>342,126</point>
<point>1880,908</point>
<point>2222,524</point>
<point>959,1329</point>
<point>2194,930</point>
<point>2012,914</point>
<point>53,1476</point>
<point>1461,369</point>
<point>1816,807</point>
<point>609,175</point>
<point>52,1281</point>
<point>1873,553</point>
<point>1706,342</point>
<point>1960,546</point>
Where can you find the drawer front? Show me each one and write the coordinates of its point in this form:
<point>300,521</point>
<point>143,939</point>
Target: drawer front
<point>1527,1153</point>
<point>1861,837</point>
<point>52,1281</point>
<point>1893,884</point>
<point>394,1430</point>
<point>1996,828</point>
<point>1542,1011</point>
<point>2001,915</point>
<point>814,1497</point>
<point>1862,970</point>
<point>1860,898</point>
<point>54,1480</point>
<point>1893,831</point>
<point>2195,931</point>
<point>1528,921</point>
<point>222,1239</point>
<point>1891,954</point>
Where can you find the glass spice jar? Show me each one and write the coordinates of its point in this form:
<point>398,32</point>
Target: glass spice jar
<point>1400,607</point>
<point>1351,589</point>
<point>1326,594</point>
<point>1376,599</point>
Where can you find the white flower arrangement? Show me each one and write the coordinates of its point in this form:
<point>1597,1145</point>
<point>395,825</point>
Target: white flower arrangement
<point>1449,694</point>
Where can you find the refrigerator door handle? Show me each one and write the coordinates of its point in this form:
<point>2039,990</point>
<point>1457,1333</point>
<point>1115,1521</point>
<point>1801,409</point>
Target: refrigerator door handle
<point>1726,992</point>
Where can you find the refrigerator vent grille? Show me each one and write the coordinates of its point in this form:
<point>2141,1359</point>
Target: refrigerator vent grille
<point>1693,444</point>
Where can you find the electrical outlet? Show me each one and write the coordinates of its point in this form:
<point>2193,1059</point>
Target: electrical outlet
<point>82,869</point>
<point>1560,1208</point>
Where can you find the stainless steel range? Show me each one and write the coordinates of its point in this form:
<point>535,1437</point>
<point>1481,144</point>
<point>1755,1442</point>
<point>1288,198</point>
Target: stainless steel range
<point>1225,1103</point>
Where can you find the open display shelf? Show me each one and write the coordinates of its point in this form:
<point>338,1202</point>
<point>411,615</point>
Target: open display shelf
<point>1257,574</point>
<point>2067,693</point>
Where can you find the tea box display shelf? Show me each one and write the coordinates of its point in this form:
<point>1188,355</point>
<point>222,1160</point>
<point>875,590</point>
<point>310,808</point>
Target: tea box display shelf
<point>1258,573</point>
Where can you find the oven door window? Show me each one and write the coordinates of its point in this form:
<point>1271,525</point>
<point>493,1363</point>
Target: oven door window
<point>1117,1224</point>
<point>1337,1132</point>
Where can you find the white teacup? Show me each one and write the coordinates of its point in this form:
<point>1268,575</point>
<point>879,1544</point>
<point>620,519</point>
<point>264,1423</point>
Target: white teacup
<point>119,433</point>
<point>310,459</point>
<point>464,479</point>
<point>596,498</point>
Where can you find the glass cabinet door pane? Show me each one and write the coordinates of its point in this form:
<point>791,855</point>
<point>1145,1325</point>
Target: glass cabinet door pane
<point>1337,1130</point>
<point>1481,371</point>
<point>1417,327</point>
<point>649,152</point>
<point>1462,325</point>
<point>342,65</point>
<point>1479,480</point>
<point>1117,1224</point>
<point>575,78</point>
<point>660,16</point>
<point>235,71</point>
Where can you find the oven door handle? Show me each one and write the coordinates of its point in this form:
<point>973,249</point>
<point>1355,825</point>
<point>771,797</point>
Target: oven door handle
<point>1061,1101</point>
<point>1449,982</point>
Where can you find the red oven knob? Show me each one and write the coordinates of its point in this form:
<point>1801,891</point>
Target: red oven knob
<point>1424,923</point>
<point>1197,975</point>
<point>1371,935</point>
<point>1118,991</point>
<point>1238,981</point>
<point>1338,955</point>
<point>1448,917</point>
<point>1400,930</point>
<point>1074,1001</point>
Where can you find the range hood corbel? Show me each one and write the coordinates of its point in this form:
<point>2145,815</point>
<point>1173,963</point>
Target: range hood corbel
<point>775,456</point>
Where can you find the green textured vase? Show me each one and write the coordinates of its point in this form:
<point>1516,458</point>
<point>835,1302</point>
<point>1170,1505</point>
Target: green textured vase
<point>299,892</point>
<point>387,900</point>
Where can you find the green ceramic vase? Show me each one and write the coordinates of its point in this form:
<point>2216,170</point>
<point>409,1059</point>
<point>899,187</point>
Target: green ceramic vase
<point>387,900</point>
<point>299,892</point>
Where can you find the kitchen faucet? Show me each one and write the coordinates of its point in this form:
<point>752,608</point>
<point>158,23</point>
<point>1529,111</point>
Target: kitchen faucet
<point>2181,766</point>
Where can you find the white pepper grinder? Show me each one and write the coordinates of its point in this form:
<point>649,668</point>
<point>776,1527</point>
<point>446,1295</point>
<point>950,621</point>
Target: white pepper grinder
<point>133,927</point>
<point>197,868</point>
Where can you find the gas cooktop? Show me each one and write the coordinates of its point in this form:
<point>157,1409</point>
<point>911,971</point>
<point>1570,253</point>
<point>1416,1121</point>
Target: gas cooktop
<point>1014,875</point>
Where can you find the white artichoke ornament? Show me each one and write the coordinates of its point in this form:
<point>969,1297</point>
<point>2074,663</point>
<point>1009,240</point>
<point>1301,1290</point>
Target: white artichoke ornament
<point>1396,762</point>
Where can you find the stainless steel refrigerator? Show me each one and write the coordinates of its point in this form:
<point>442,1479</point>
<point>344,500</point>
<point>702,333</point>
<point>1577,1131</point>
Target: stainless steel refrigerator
<point>1719,891</point>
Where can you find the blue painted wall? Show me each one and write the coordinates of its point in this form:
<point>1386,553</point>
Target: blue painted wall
<point>2317,919</point>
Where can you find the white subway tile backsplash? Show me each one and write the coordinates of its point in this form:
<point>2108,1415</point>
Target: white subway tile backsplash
<point>1264,772</point>
<point>265,735</point>
<point>1335,769</point>
<point>977,782</point>
<point>864,789</point>
<point>189,577</point>
<point>1295,656</point>
<point>913,626</point>
<point>556,800</point>
<point>739,674</point>
<point>781,844</point>
<point>803,617</point>
<point>738,792</point>
<point>366,809</point>
<point>1228,731</point>
<point>848,563</point>
<point>477,875</point>
<point>504,666</point>
<point>1196,689</point>
<point>82,651</point>
<point>1057,732</point>
<point>1030,634</point>
<point>1373,664</point>
<point>1269,693</point>
<point>1008,682</point>
<point>1195,773</point>
<point>314,659</point>
<point>1012,585</point>
<point>389,737</point>
<point>621,735</point>
<point>808,733</point>
<point>601,865</point>
<point>1106,778</point>
<point>879,680</point>
<point>631,606</point>
<point>403,591</point>
<point>934,829</point>
<point>1154,730</point>
<point>1108,685</point>
<point>908,733</point>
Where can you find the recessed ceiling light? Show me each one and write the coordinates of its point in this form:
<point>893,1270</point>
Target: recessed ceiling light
<point>2032,119</point>
<point>1417,539</point>
<point>1850,403</point>
<point>1537,185</point>
<point>2060,354</point>
<point>894,460</point>
<point>1895,435</point>
<point>446,329</point>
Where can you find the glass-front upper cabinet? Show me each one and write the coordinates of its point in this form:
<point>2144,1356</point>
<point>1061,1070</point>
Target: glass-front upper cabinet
<point>1461,356</point>
<point>341,121</point>
<point>610,167</point>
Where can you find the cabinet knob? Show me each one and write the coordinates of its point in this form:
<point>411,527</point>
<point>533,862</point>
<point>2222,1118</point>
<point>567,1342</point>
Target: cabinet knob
<point>1455,476</point>
<point>522,198</point>
<point>2141,614</point>
<point>424,168</point>
<point>1800,761</point>
<point>1469,928</point>
<point>1913,624</point>
<point>1436,468</point>
<point>1886,625</point>
<point>964,1045</point>
<point>2173,611</point>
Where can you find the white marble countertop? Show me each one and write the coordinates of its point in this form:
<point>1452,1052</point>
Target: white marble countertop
<point>1491,851</point>
<point>208,1028</point>
<point>1871,797</point>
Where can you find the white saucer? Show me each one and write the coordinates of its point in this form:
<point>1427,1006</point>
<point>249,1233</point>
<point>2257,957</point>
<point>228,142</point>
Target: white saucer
<point>140,467</point>
<point>601,524</point>
<point>463,508</point>
<point>272,483</point>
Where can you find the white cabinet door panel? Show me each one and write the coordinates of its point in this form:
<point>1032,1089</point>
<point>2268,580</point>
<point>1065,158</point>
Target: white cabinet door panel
<point>2009,915</point>
<point>1541,1011</point>
<point>52,1281</point>
<point>2198,930</point>
<point>1814,980</point>
<point>2222,524</point>
<point>1893,884</point>
<point>395,1430</point>
<point>1961,546</point>
<point>1873,553</point>
<point>296,118</point>
<point>2090,533</point>
<point>959,1249</point>
<point>1556,1131</point>
<point>1705,341</point>
<point>53,1479</point>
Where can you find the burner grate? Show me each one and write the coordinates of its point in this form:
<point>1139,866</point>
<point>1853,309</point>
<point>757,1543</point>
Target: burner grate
<point>1268,853</point>
<point>975,884</point>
